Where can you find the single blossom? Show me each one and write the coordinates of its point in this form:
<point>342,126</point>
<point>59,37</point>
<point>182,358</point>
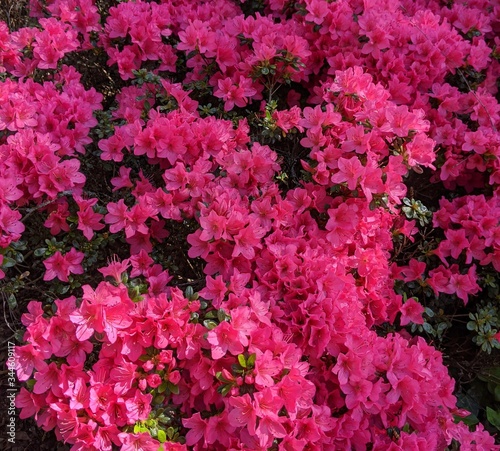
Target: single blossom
<point>61,266</point>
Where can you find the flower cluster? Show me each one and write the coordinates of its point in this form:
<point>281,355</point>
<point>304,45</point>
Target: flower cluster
<point>281,143</point>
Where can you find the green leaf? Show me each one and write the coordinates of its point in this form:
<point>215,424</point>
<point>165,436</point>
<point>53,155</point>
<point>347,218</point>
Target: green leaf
<point>209,324</point>
<point>19,257</point>
<point>159,399</point>
<point>224,389</point>
<point>429,312</point>
<point>194,317</point>
<point>471,401</point>
<point>138,427</point>
<point>188,294</point>
<point>241,361</point>
<point>428,328</point>
<point>12,301</point>
<point>221,315</point>
<point>18,245</point>
<point>162,436</point>
<point>251,360</point>
<point>8,262</point>
<point>64,289</point>
<point>470,420</point>
<point>173,388</point>
<point>472,325</point>
<point>486,347</point>
<point>490,374</point>
<point>441,328</point>
<point>236,369</point>
<point>162,387</point>
<point>493,417</point>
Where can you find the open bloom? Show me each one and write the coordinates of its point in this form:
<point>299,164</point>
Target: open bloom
<point>105,310</point>
<point>61,266</point>
<point>225,338</point>
<point>235,93</point>
<point>412,311</point>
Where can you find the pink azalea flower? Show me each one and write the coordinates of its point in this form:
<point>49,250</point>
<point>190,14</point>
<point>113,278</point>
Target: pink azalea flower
<point>405,388</point>
<point>414,271</point>
<point>77,393</point>
<point>106,437</point>
<point>115,269</point>
<point>411,311</point>
<point>88,219</point>
<point>56,220</point>
<point>247,240</point>
<point>141,263</point>
<point>105,310</point>
<point>197,429</point>
<point>117,216</point>
<point>135,442</point>
<point>29,403</point>
<point>219,429</point>
<point>123,180</point>
<point>464,284</point>
<point>225,338</point>
<point>9,222</point>
<point>61,266</point>
<point>123,377</point>
<point>138,407</point>
<point>47,378</point>
<point>421,151</point>
<point>243,413</point>
<point>235,93</point>
<point>457,241</point>
<point>27,359</point>
<point>341,224</point>
<point>357,390</point>
<point>350,170</point>
<point>265,368</point>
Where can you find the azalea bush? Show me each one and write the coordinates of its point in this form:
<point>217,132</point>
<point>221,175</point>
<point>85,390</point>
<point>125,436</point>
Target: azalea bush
<point>252,224</point>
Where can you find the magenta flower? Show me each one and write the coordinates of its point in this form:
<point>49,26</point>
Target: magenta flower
<point>28,358</point>
<point>138,407</point>
<point>10,221</point>
<point>61,266</point>
<point>243,412</point>
<point>357,391</point>
<point>197,429</point>
<point>224,338</point>
<point>350,171</point>
<point>411,311</point>
<point>219,429</point>
<point>105,310</point>
<point>88,219</point>
<point>235,93</point>
<point>115,269</point>
<point>265,368</point>
<point>29,403</point>
<point>135,442</point>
